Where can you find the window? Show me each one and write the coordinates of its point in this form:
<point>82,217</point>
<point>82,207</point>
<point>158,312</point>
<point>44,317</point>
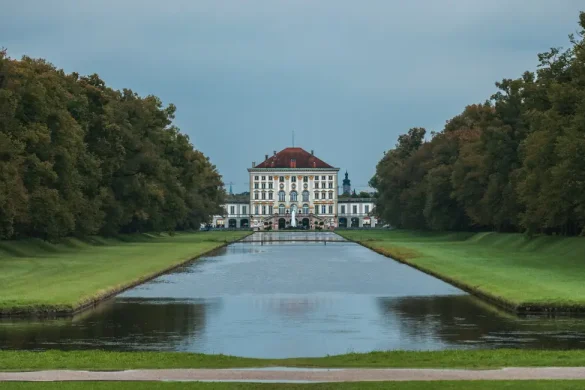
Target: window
<point>255,195</point>
<point>255,177</point>
<point>317,209</point>
<point>293,196</point>
<point>305,209</point>
<point>322,178</point>
<point>305,196</point>
<point>263,209</point>
<point>270,211</point>
<point>316,177</point>
<point>281,209</point>
<point>316,185</point>
<point>232,210</point>
<point>263,195</point>
<point>256,210</point>
<point>264,178</point>
<point>281,196</point>
<point>323,195</point>
<point>330,184</point>
<point>281,179</point>
<point>305,179</point>
<point>256,185</point>
<point>331,195</point>
<point>330,178</point>
<point>367,208</point>
<point>244,210</point>
<point>270,185</point>
<point>324,209</point>
<point>330,209</point>
<point>270,195</point>
<point>293,179</point>
<point>343,209</point>
<point>263,185</point>
<point>316,195</point>
<point>355,209</point>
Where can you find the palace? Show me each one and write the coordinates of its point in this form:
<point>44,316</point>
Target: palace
<point>294,188</point>
<point>293,182</point>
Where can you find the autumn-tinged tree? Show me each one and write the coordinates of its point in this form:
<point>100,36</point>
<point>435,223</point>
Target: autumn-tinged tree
<point>514,163</point>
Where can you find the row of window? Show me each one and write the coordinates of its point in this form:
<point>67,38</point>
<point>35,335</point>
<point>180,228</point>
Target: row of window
<point>293,196</point>
<point>233,210</point>
<point>294,178</point>
<point>355,209</point>
<point>268,210</point>
<point>281,208</point>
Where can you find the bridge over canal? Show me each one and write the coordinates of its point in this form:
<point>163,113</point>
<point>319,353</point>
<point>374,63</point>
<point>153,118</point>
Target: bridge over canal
<point>309,236</point>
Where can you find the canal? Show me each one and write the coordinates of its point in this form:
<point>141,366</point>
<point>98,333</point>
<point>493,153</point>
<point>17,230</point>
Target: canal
<point>274,295</point>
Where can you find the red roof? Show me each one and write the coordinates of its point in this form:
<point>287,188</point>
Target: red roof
<point>293,158</point>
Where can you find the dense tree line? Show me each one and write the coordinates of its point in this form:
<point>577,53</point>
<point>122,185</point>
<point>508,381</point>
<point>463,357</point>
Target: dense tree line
<point>513,163</point>
<point>78,157</point>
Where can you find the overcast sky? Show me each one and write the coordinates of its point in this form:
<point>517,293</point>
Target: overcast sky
<point>347,76</point>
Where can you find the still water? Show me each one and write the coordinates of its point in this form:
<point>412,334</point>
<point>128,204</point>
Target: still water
<point>270,298</point>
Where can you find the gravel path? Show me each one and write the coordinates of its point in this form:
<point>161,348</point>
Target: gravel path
<point>279,374</point>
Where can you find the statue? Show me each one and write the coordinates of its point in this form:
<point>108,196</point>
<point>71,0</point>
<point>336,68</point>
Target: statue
<point>293,221</point>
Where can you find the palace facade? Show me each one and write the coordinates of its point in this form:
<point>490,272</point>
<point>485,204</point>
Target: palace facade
<point>293,181</point>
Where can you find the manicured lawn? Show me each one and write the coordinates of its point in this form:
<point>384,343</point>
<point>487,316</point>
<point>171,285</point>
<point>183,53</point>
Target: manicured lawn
<point>520,273</point>
<point>101,360</point>
<point>454,385</point>
<point>36,276</point>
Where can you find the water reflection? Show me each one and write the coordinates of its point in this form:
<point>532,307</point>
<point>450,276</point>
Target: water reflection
<point>284,300</point>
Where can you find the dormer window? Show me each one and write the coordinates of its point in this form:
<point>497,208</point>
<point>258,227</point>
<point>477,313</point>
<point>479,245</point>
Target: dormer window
<point>293,162</point>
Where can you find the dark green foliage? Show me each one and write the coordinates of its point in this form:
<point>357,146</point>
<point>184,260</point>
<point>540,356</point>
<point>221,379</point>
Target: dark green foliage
<point>514,163</point>
<point>77,157</point>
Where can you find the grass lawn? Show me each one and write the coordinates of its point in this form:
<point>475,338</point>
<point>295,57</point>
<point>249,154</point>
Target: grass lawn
<point>36,276</point>
<point>522,274</point>
<point>101,360</point>
<point>455,385</point>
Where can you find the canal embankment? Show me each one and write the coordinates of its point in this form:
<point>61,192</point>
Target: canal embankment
<point>97,360</point>
<point>520,274</point>
<point>41,278</point>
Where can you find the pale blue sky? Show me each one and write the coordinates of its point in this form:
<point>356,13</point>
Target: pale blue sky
<point>347,76</point>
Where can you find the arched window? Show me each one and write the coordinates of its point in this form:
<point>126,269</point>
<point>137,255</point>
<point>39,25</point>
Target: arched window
<point>281,209</point>
<point>305,209</point>
<point>305,196</point>
<point>293,196</point>
<point>282,179</point>
<point>281,196</point>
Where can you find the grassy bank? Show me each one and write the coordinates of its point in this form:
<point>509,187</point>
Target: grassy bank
<point>40,277</point>
<point>521,274</point>
<point>446,385</point>
<point>101,360</point>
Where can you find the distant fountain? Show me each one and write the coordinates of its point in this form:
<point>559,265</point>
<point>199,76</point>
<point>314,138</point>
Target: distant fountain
<point>293,221</point>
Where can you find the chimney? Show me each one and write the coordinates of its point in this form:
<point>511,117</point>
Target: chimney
<point>275,152</point>
<point>265,157</point>
<point>312,152</point>
<point>253,164</point>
